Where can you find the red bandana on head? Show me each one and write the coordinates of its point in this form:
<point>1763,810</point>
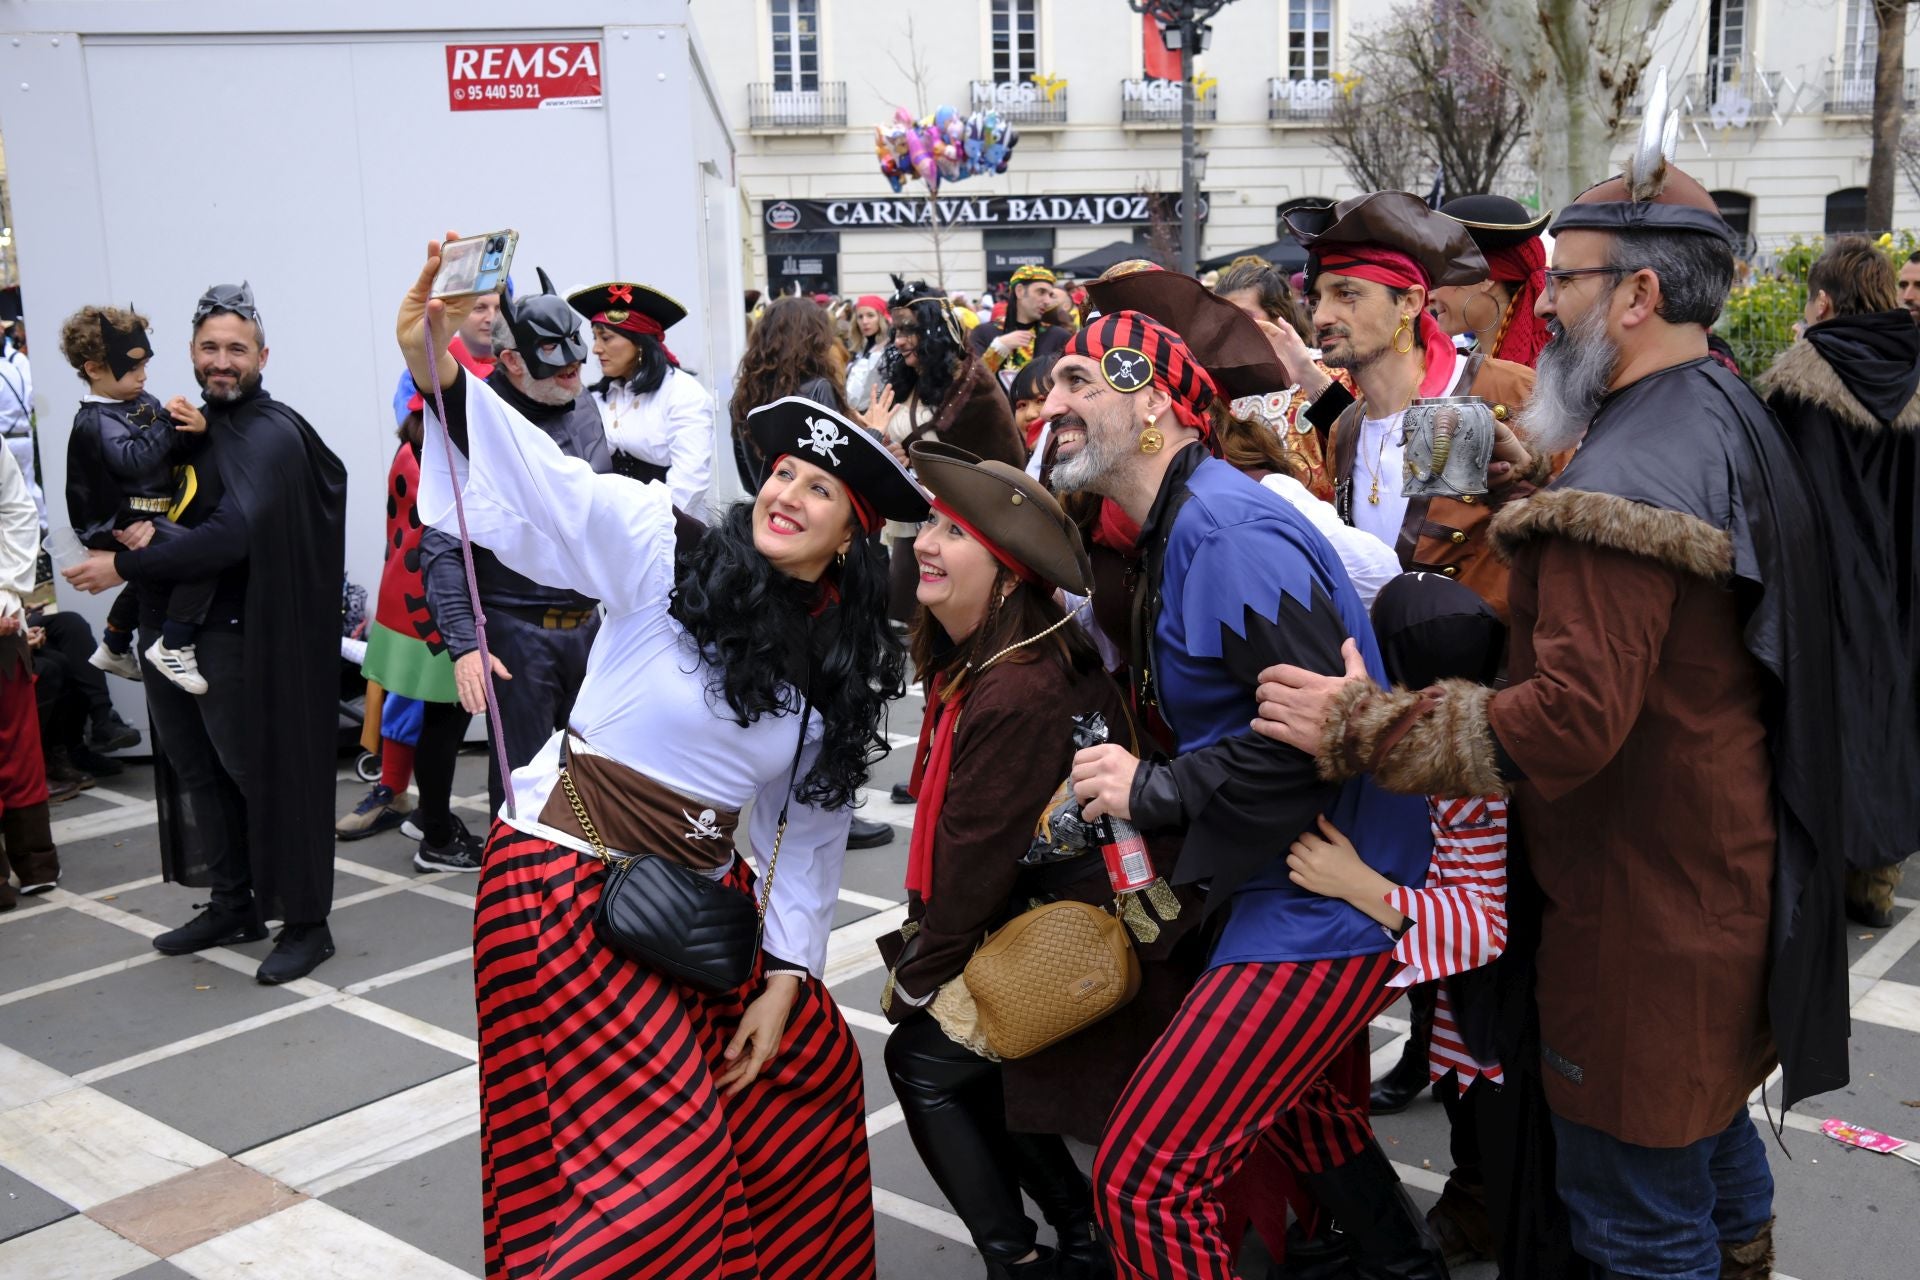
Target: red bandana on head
<point>1396,270</point>
<point>1524,266</point>
<point>1136,351</point>
<point>630,321</point>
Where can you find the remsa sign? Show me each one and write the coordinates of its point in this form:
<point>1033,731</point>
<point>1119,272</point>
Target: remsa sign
<point>522,77</point>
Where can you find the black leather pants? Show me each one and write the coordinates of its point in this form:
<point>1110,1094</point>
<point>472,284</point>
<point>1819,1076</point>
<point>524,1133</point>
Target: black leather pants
<point>956,1113</point>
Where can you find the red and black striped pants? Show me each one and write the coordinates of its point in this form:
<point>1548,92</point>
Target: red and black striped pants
<point>1243,1064</point>
<point>607,1152</point>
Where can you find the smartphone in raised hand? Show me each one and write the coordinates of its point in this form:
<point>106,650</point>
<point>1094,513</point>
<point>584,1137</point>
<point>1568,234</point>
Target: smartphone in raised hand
<point>475,264</point>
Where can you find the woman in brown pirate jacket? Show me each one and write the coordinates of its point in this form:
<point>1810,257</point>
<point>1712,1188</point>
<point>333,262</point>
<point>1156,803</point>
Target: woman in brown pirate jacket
<point>1007,672</point>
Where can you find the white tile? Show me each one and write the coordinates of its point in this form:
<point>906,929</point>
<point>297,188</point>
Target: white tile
<point>408,1025</point>
<point>87,1148</point>
<point>201,1041</point>
<point>878,806</point>
<point>878,1122</point>
<point>75,979</point>
<point>1386,1055</point>
<point>76,1248</point>
<point>311,1241</point>
<point>1893,944</point>
<point>865,1019</point>
<point>925,1216</point>
<point>462,956</point>
<point>850,949</point>
<point>105,822</point>
<point>335,1152</point>
<point>854,897</point>
<point>1426,1179</point>
<point>1891,1004</point>
<point>24,1080</point>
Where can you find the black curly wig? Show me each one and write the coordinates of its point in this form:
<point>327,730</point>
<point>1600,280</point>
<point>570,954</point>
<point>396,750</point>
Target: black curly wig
<point>767,645</point>
<point>939,352</point>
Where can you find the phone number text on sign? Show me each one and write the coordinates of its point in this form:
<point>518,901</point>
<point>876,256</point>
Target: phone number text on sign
<point>507,77</point>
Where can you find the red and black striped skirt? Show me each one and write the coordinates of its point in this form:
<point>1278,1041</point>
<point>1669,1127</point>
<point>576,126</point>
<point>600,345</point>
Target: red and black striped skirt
<point>606,1149</point>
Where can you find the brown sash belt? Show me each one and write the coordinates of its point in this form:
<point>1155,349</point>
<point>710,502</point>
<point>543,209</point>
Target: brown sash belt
<point>632,813</point>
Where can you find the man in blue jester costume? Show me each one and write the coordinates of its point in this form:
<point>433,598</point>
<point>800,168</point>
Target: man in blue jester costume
<point>1231,576</point>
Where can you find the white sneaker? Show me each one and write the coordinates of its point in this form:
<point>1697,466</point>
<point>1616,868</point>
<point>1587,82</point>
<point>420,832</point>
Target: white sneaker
<point>177,665</point>
<point>124,665</point>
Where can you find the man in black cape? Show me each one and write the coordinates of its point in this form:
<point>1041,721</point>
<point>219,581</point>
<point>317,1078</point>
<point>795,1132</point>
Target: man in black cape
<point>1670,738</point>
<point>244,773</point>
<point>1848,394</point>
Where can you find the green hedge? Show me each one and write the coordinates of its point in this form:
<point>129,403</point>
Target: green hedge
<point>1764,306</point>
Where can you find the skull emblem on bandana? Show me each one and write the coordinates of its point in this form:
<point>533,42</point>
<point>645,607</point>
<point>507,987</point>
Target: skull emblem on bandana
<point>1126,369</point>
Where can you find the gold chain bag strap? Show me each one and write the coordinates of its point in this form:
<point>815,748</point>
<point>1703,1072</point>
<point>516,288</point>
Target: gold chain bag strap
<point>676,921</point>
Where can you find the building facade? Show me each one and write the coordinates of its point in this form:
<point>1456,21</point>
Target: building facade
<point>1776,96</point>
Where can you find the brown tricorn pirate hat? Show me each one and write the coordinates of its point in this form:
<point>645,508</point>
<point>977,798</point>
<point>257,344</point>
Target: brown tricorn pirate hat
<point>1223,338</point>
<point>1009,510</point>
<point>1394,220</point>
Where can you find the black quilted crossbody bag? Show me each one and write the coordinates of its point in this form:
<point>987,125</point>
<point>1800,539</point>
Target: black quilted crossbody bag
<point>673,919</point>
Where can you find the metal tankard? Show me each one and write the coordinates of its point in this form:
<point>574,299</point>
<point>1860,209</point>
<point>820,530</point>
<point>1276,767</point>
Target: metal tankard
<point>1449,444</point>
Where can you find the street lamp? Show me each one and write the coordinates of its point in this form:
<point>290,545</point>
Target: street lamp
<point>1183,24</point>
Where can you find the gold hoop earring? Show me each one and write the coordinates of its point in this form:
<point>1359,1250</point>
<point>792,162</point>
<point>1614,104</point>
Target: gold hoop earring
<point>1486,296</point>
<point>1405,326</point>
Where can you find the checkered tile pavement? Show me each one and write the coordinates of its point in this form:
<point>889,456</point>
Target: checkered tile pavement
<point>164,1118</point>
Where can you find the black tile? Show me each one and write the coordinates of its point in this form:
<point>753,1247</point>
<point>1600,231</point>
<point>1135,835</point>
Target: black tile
<point>25,1207</point>
<point>431,1201</point>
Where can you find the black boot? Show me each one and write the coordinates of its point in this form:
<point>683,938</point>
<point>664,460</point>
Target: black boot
<point>1393,1091</point>
<point>900,794</point>
<point>1054,1182</point>
<point>215,926</point>
<point>297,952</point>
<point>1389,1237</point>
<point>111,733</point>
<point>868,835</point>
<point>1045,1265</point>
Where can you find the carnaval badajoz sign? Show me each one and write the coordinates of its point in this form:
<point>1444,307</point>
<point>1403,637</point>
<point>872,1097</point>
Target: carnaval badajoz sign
<point>882,212</point>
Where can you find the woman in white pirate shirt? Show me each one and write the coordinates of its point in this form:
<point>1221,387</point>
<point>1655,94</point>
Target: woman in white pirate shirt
<point>634,1123</point>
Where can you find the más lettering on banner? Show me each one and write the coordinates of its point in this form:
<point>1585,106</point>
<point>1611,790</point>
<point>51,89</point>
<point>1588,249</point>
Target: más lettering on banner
<point>1091,210</point>
<point>523,77</point>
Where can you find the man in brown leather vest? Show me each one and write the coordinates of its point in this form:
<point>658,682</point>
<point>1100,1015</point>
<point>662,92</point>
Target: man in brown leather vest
<point>1375,258</point>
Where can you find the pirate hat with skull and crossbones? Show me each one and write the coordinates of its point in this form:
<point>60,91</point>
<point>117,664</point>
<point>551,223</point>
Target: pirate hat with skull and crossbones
<point>794,426</point>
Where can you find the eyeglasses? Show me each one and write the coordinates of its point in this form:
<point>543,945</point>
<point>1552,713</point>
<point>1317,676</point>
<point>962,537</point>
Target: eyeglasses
<point>1554,277</point>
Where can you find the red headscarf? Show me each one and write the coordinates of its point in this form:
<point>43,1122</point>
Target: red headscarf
<point>631,321</point>
<point>1524,267</point>
<point>1396,270</point>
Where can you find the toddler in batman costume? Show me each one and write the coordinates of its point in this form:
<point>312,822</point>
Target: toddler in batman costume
<point>119,472</point>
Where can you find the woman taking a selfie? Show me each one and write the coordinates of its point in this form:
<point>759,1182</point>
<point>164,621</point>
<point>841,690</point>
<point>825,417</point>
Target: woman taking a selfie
<point>1007,671</point>
<point>636,1123</point>
<point>659,419</point>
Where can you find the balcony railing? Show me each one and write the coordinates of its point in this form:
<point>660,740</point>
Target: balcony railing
<point>1027,103</point>
<point>1155,104</point>
<point>1760,91</point>
<point>797,110</point>
<point>1851,94</point>
<point>1300,101</point>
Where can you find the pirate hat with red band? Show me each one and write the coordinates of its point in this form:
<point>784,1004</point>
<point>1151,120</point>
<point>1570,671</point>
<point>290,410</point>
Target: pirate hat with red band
<point>794,426</point>
<point>630,308</point>
<point>1135,351</point>
<point>1009,513</point>
<point>1390,228</point>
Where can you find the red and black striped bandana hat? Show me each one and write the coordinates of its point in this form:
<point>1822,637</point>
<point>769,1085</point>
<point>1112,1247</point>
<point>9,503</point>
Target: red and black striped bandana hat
<point>1134,351</point>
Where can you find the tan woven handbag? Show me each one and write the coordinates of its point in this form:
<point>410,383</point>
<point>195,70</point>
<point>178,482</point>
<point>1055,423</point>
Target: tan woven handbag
<point>1049,972</point>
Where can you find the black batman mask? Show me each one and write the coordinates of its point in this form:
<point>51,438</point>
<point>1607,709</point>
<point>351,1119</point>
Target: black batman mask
<point>546,331</point>
<point>126,348</point>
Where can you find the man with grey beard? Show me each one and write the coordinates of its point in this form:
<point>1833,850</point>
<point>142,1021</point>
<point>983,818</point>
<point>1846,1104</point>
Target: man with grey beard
<point>1668,738</point>
<point>538,636</point>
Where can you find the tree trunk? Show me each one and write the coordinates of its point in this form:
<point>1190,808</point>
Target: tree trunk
<point>1889,94</point>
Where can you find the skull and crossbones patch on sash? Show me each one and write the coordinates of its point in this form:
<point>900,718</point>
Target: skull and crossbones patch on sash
<point>1126,369</point>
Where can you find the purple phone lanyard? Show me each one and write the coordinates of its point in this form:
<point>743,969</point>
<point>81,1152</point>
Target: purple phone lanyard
<point>473,584</point>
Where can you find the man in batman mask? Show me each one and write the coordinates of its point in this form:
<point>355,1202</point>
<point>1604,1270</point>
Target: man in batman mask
<point>538,636</point>
<point>244,773</point>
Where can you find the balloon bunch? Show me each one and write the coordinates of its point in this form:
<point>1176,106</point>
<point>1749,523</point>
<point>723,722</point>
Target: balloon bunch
<point>943,147</point>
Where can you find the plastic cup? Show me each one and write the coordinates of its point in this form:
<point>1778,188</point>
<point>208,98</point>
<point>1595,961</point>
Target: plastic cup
<point>66,548</point>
